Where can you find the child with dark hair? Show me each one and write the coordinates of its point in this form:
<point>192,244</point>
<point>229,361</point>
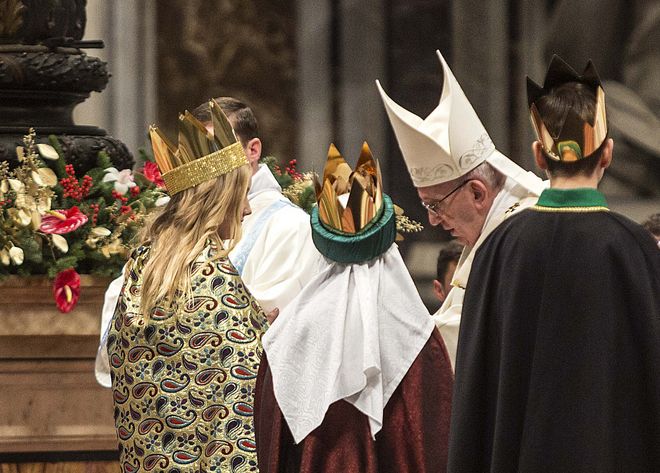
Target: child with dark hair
<point>557,365</point>
<point>448,257</point>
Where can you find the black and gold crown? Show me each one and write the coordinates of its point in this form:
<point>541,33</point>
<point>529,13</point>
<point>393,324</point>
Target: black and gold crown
<point>576,139</point>
<point>201,155</point>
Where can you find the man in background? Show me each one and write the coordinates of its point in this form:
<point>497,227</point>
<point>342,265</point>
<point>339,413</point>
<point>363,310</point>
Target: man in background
<point>448,257</point>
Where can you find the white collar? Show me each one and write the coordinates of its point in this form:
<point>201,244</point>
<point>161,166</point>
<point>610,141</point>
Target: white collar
<point>263,180</point>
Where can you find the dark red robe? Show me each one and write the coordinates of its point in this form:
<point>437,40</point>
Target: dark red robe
<point>413,439</point>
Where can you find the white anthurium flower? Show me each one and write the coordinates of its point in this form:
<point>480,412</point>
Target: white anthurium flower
<point>4,186</point>
<point>162,200</point>
<point>60,243</point>
<point>4,257</point>
<point>24,218</point>
<point>16,185</point>
<point>123,179</point>
<point>16,254</point>
<point>47,152</point>
<point>100,231</point>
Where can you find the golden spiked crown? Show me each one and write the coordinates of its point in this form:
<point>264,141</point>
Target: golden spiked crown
<point>201,155</point>
<point>576,138</point>
<point>364,188</point>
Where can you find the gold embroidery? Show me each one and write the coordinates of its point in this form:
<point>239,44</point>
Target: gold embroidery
<point>597,208</point>
<point>512,208</point>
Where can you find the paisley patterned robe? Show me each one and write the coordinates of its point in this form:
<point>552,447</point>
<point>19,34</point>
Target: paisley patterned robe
<point>183,380</point>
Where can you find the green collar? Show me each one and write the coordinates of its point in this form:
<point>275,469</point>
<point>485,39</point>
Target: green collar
<point>567,198</point>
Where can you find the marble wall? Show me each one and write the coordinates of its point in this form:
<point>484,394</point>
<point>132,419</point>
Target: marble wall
<point>243,49</point>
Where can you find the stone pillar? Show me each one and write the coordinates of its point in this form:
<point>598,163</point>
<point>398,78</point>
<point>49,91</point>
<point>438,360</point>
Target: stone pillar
<point>128,105</point>
<point>314,91</point>
<point>363,53</point>
<point>481,62</point>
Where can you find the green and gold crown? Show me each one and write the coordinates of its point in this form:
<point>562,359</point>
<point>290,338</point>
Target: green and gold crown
<point>354,221</point>
<point>201,155</point>
<point>576,139</point>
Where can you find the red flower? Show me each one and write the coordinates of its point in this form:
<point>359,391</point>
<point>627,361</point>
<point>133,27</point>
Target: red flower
<point>66,290</point>
<point>62,221</point>
<point>152,173</point>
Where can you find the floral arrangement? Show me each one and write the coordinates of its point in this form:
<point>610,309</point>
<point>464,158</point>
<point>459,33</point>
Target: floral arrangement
<point>296,186</point>
<point>57,223</point>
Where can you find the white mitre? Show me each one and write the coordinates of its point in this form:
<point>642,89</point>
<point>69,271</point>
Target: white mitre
<point>451,141</point>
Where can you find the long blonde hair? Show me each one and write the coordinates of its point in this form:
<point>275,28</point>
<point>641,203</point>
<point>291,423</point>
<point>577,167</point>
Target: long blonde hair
<point>178,233</point>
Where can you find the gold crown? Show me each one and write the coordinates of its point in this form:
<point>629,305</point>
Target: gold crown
<point>201,155</point>
<point>576,138</point>
<point>364,188</point>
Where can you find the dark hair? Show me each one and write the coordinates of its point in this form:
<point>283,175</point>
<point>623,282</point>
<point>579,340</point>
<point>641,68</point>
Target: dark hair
<point>450,251</point>
<point>241,116</point>
<point>581,99</point>
<point>652,224</point>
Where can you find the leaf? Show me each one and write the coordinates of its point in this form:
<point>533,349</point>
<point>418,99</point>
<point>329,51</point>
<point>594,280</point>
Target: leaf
<point>60,243</point>
<point>48,177</point>
<point>100,231</point>
<point>47,152</point>
<point>103,160</point>
<point>4,257</point>
<point>36,219</point>
<point>37,179</point>
<point>24,218</point>
<point>43,205</point>
<point>16,185</point>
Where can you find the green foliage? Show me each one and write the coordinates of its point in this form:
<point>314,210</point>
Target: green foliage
<point>307,199</point>
<point>297,187</point>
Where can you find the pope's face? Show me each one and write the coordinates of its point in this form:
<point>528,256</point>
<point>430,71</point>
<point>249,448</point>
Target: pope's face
<point>458,213</point>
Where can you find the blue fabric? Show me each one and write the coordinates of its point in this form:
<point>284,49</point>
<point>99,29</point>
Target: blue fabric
<point>244,247</point>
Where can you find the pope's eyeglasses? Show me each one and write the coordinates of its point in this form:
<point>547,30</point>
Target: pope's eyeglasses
<point>433,207</point>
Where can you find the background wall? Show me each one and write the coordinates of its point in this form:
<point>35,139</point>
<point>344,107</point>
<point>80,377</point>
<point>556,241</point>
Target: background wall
<point>308,70</point>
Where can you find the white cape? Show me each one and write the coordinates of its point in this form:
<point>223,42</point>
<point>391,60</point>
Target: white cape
<point>352,333</point>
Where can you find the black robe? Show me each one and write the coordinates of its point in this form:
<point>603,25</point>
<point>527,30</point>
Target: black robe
<point>558,362</point>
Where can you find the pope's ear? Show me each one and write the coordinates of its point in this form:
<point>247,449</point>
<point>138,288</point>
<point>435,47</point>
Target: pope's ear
<point>478,191</point>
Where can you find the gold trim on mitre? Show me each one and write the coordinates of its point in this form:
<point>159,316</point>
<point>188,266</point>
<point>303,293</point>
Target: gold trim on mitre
<point>201,155</point>
<point>364,188</point>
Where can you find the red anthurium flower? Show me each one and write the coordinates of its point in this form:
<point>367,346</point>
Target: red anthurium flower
<point>66,290</point>
<point>152,173</point>
<point>62,221</point>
